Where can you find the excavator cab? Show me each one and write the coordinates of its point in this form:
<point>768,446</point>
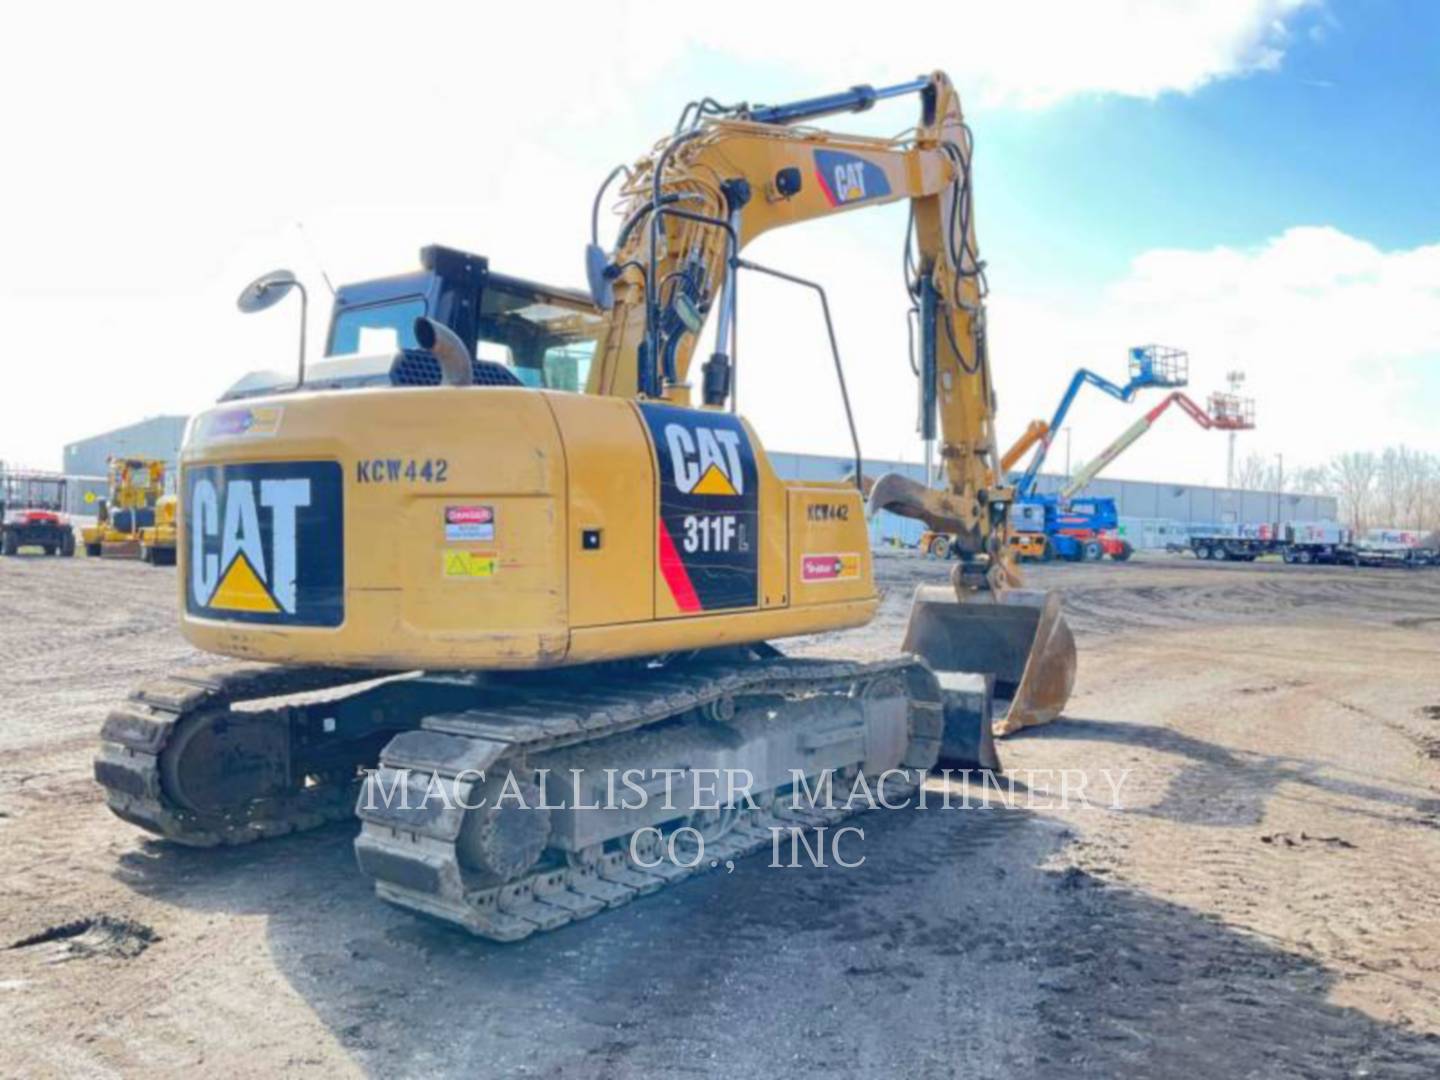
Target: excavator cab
<point>517,332</point>
<point>543,336</point>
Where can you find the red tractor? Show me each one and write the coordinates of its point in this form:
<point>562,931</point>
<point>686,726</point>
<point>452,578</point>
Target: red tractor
<point>32,514</point>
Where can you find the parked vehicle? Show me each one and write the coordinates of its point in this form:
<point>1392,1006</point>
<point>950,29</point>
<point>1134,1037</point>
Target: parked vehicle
<point>1238,543</point>
<point>1392,547</point>
<point>1315,542</point>
<point>1305,542</point>
<point>1044,527</point>
<point>32,514</point>
<point>1085,530</point>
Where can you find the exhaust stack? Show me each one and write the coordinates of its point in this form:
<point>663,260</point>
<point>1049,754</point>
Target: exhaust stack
<point>455,362</point>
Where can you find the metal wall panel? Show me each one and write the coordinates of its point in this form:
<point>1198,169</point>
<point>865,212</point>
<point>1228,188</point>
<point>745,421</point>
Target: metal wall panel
<point>156,437</point>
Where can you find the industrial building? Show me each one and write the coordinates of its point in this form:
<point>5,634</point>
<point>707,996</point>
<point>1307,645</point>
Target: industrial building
<point>85,460</point>
<point>1151,514</point>
<point>1154,514</point>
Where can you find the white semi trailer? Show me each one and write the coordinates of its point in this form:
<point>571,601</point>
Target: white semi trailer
<point>1315,542</point>
<point>1294,541</point>
<point>1394,547</point>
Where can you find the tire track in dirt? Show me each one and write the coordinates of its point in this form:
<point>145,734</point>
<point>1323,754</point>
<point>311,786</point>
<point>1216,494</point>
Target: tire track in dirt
<point>1264,906</point>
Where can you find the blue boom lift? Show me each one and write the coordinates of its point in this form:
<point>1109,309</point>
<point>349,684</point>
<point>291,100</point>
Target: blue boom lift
<point>1044,527</point>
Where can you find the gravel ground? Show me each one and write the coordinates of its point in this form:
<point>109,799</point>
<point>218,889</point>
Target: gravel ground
<point>1264,902</point>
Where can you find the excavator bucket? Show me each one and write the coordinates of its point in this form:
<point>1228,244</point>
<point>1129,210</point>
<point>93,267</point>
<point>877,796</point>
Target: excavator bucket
<point>1016,640</point>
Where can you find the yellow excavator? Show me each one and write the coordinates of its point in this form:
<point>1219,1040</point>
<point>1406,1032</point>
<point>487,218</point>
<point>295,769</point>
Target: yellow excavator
<point>490,540</point>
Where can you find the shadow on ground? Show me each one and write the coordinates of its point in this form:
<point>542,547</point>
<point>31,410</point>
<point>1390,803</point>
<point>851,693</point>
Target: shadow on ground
<point>951,951</point>
<point>1217,786</point>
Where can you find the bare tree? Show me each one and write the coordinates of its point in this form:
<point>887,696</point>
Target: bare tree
<point>1309,480</point>
<point>1353,475</point>
<point>1427,494</point>
<point>1251,473</point>
<point>1415,469</point>
<point>1390,485</point>
<point>1399,487</point>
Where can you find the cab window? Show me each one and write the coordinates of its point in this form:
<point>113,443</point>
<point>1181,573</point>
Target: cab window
<point>547,341</point>
<point>376,328</point>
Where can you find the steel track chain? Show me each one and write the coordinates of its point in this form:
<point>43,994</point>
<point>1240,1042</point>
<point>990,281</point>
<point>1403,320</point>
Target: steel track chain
<point>136,733</point>
<point>416,864</point>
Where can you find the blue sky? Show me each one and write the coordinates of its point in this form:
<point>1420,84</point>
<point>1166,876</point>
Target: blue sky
<point>1345,132</point>
<point>1249,179</point>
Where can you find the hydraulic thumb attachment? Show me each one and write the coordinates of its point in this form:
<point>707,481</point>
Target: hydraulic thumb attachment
<point>900,495</point>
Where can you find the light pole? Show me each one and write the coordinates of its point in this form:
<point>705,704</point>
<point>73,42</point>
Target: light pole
<point>1066,429</point>
<point>1279,487</point>
<point>1234,377</point>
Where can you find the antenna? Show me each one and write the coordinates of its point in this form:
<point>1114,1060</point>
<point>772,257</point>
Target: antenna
<point>314,254</point>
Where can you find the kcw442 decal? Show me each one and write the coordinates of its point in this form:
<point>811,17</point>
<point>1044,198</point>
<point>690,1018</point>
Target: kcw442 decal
<point>264,543</point>
<point>708,542</point>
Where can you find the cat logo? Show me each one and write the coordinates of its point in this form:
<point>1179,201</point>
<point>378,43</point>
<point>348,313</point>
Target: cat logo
<point>705,460</point>
<point>849,182</point>
<point>707,536</point>
<point>847,178</point>
<point>263,542</point>
<point>235,578</point>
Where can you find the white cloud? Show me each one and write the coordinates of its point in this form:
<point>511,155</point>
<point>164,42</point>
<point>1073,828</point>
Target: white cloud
<point>1029,55</point>
<point>1331,332</point>
<point>159,155</point>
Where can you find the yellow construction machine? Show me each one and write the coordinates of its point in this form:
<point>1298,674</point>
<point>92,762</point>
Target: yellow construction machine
<point>493,527</point>
<point>157,540</point>
<point>136,486</point>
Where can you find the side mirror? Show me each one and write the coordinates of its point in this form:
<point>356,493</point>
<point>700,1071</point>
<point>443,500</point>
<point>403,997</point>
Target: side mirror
<point>265,291</point>
<point>597,275</point>
<point>268,290</point>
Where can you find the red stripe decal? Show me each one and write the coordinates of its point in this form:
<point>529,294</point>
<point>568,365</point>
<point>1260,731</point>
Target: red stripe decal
<point>676,576</point>
<point>824,187</point>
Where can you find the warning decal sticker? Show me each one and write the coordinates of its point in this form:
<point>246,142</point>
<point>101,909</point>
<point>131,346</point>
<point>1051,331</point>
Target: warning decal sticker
<point>456,563</point>
<point>470,523</point>
<point>708,525</point>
